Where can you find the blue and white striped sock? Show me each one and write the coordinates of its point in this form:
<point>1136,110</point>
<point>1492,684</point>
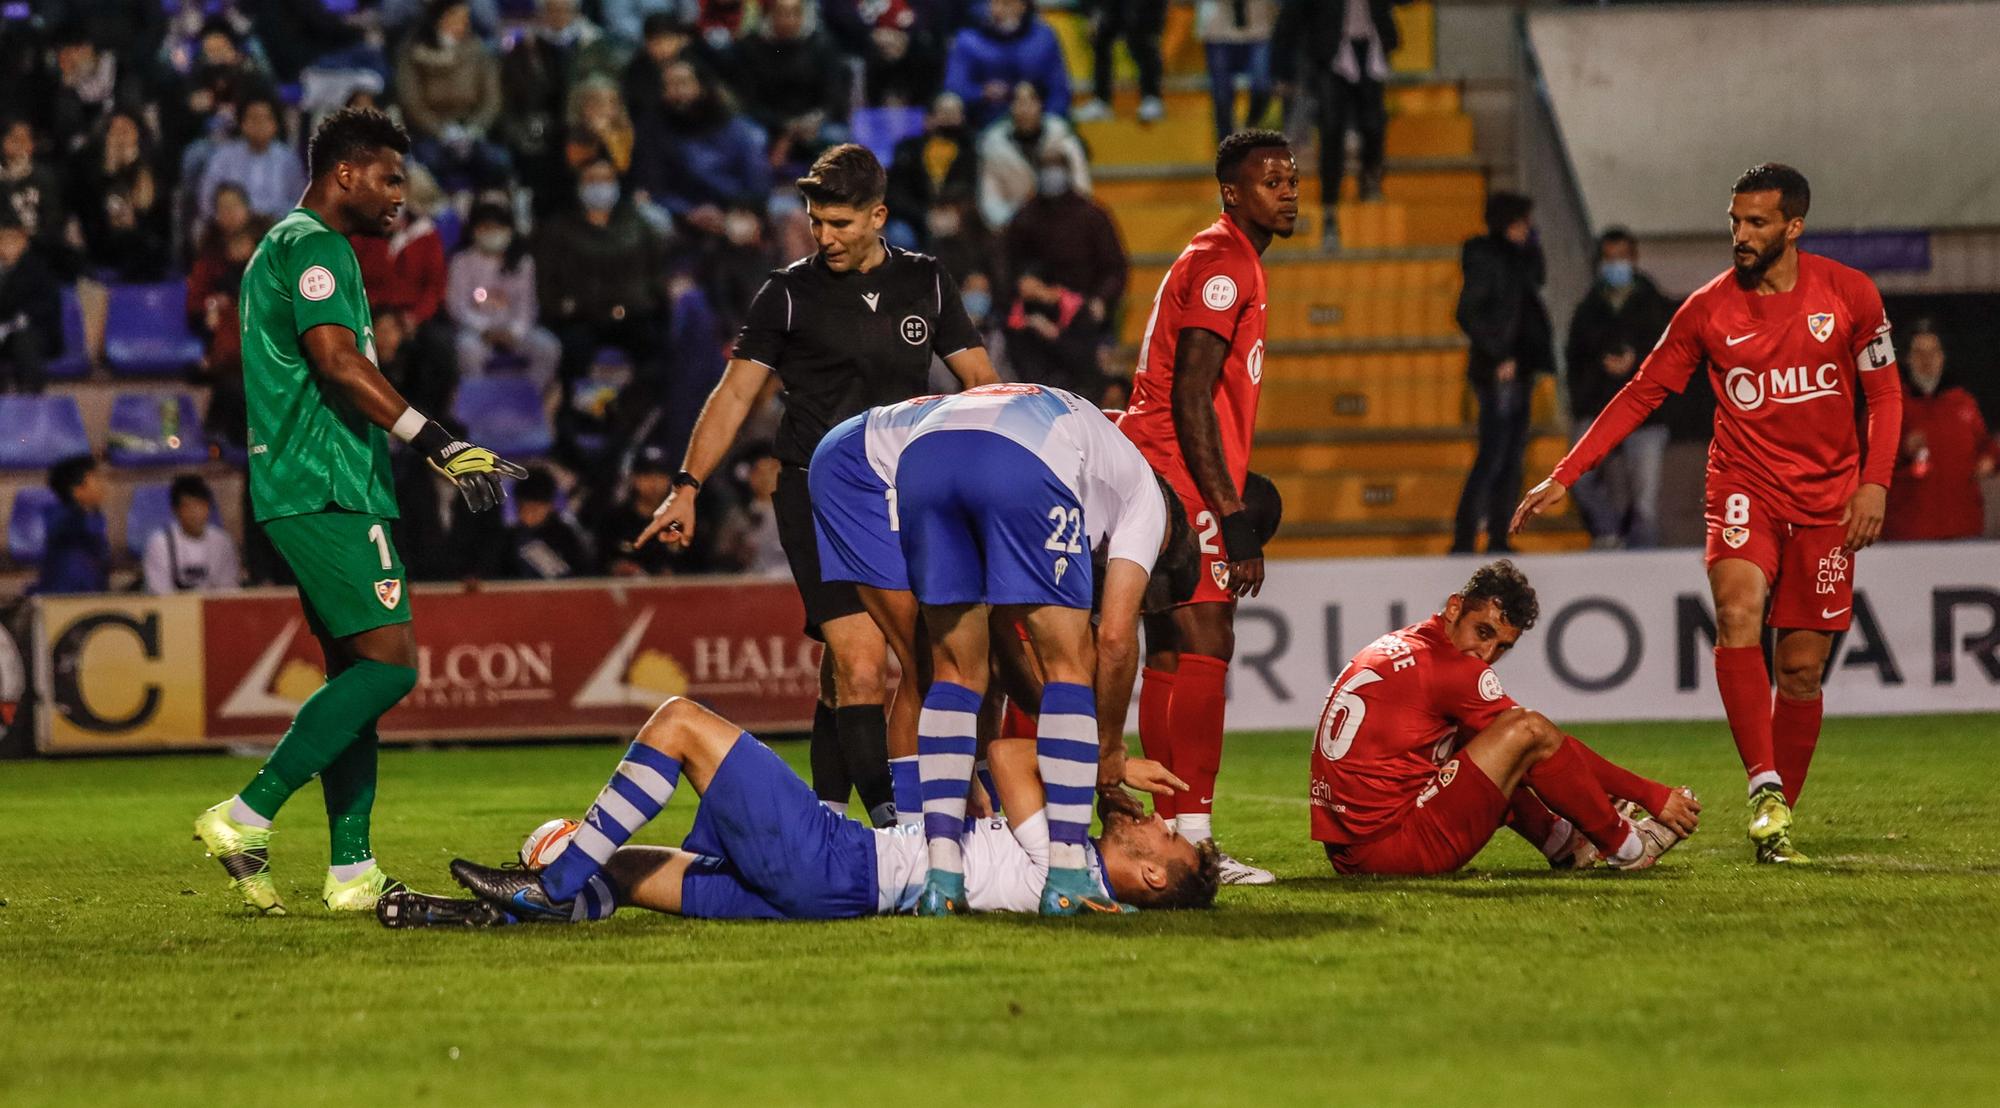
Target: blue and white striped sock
<point>947,740</point>
<point>909,788</point>
<point>595,901</point>
<point>638,789</point>
<point>1066,755</point>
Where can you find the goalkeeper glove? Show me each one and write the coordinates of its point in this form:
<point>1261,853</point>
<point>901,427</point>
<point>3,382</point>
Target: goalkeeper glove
<point>474,469</point>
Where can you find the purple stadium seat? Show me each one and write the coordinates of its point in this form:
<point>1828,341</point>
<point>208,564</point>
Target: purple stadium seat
<point>75,360</point>
<point>145,332</point>
<point>38,431</point>
<point>449,228</point>
<point>504,414</point>
<point>880,129</point>
<point>27,525</point>
<point>156,429</point>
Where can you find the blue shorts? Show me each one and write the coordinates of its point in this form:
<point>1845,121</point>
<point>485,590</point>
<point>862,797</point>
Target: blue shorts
<point>851,519</point>
<point>984,520</point>
<point>770,850</point>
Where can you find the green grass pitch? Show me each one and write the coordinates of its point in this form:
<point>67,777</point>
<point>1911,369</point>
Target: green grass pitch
<point>128,975</point>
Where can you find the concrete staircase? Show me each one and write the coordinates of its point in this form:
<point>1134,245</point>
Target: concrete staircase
<point>1365,423</point>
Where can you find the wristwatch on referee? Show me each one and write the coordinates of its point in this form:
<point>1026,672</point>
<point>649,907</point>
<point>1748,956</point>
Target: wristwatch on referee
<point>687,479</point>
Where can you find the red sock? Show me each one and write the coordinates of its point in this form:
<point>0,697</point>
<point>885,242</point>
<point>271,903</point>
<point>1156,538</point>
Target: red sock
<point>1795,734</point>
<point>1015,723</point>
<point>1156,735</point>
<point>1199,698</point>
<point>1745,686</point>
<point>1532,820</point>
<point>1565,783</point>
<point>1621,782</point>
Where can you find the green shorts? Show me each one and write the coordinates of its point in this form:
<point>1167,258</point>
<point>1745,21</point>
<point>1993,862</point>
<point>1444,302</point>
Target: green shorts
<point>350,577</point>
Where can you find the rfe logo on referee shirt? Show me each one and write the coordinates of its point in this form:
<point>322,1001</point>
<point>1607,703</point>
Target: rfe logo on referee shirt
<point>915,330</point>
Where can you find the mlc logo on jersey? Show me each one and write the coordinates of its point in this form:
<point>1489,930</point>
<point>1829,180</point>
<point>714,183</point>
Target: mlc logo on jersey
<point>1821,325</point>
<point>1748,389</point>
<point>915,330</point>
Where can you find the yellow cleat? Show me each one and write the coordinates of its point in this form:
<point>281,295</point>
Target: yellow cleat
<point>245,854</point>
<point>361,893</point>
<point>1771,827</point>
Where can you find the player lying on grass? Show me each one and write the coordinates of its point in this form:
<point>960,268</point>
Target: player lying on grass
<point>1420,756</point>
<point>764,847</point>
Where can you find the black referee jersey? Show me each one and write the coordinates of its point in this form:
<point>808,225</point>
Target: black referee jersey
<point>842,343</point>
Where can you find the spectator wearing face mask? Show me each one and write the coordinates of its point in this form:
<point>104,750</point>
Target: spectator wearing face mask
<point>598,271</point>
<point>925,166</point>
<point>448,84</point>
<point>1946,451</point>
<point>559,49</point>
<point>792,81</point>
<point>1012,150</point>
<point>902,59</point>
<point>257,159</point>
<point>1615,324</point>
<point>693,156</point>
<point>736,266</point>
<point>490,295</point>
<point>1071,241</point>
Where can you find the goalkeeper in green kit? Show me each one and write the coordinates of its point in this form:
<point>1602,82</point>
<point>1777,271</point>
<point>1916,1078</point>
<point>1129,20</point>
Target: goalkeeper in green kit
<point>321,415</point>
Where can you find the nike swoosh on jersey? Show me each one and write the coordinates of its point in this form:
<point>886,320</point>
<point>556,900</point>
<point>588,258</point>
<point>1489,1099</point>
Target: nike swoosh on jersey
<point>1732,341</point>
<point>1824,614</point>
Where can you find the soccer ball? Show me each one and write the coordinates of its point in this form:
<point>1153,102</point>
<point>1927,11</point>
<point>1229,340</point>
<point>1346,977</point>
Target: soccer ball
<point>547,841</point>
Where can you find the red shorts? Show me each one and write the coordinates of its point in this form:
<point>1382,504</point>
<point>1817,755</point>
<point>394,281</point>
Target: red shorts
<point>1808,567</point>
<point>1213,585</point>
<point>1450,823</point>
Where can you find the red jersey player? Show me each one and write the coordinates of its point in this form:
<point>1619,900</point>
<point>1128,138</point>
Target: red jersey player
<point>1788,337</point>
<point>1193,410</point>
<point>1420,755</point>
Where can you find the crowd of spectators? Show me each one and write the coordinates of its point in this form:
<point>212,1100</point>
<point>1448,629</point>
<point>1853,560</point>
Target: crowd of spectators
<point>597,188</point>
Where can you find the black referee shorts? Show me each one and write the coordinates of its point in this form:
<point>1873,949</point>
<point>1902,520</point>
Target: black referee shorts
<point>824,600</point>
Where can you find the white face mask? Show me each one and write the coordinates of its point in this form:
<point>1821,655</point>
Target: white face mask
<point>1053,180</point>
<point>494,242</point>
<point>741,228</point>
<point>944,223</point>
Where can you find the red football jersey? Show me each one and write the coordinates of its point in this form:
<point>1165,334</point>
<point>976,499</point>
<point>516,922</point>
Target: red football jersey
<point>1785,369</point>
<point>1396,713</point>
<point>1217,284</point>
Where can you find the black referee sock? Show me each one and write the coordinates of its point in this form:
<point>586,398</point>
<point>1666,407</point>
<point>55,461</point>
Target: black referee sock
<point>829,765</point>
<point>864,739</point>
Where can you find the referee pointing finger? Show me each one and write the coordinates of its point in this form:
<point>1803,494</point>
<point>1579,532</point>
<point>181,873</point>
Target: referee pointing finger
<point>854,326</point>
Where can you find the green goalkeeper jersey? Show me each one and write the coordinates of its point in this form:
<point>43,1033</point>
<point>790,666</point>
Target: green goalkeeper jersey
<point>309,448</point>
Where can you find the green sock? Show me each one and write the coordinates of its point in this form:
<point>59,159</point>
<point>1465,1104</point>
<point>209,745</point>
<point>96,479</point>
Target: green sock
<point>328,723</point>
<point>349,784</point>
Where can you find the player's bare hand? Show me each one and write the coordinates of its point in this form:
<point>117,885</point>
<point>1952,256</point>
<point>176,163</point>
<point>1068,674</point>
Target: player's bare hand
<point>1540,499</point>
<point>1148,776</point>
<point>1246,578</point>
<point>1111,769</point>
<point>1504,372</point>
<point>1863,517</point>
<point>673,521</point>
<point>1682,811</point>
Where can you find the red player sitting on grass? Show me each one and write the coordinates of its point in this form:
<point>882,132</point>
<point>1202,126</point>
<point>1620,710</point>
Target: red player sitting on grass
<point>1420,756</point>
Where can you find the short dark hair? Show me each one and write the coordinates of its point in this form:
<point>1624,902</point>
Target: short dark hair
<point>1237,148</point>
<point>190,486</point>
<point>1502,583</point>
<point>1504,209</point>
<point>1188,886</point>
<point>351,134</point>
<point>1794,194</point>
<point>1617,234</point>
<point>67,474</point>
<point>539,485</point>
<point>847,174</point>
<point>1264,503</point>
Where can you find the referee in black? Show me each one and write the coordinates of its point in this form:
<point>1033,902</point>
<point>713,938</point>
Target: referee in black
<point>849,328</point>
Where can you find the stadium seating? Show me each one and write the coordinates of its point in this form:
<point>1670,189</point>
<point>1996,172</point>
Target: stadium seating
<point>153,429</point>
<point>504,414</point>
<point>146,334</point>
<point>27,523</point>
<point>40,430</point>
<point>75,359</point>
<point>880,129</point>
<point>153,508</point>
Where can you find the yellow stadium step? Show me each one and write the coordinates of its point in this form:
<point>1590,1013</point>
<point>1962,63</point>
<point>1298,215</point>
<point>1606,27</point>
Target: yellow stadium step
<point>1187,134</point>
<point>1337,299</point>
<point>1421,400</point>
<point>1193,182</point>
<point>1454,452</point>
<point>1354,496</point>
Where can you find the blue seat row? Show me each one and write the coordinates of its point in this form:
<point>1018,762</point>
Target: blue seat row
<point>28,521</point>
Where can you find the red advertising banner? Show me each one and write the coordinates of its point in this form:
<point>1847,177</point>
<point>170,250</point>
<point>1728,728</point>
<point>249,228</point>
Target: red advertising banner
<point>514,661</point>
<point>129,672</point>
